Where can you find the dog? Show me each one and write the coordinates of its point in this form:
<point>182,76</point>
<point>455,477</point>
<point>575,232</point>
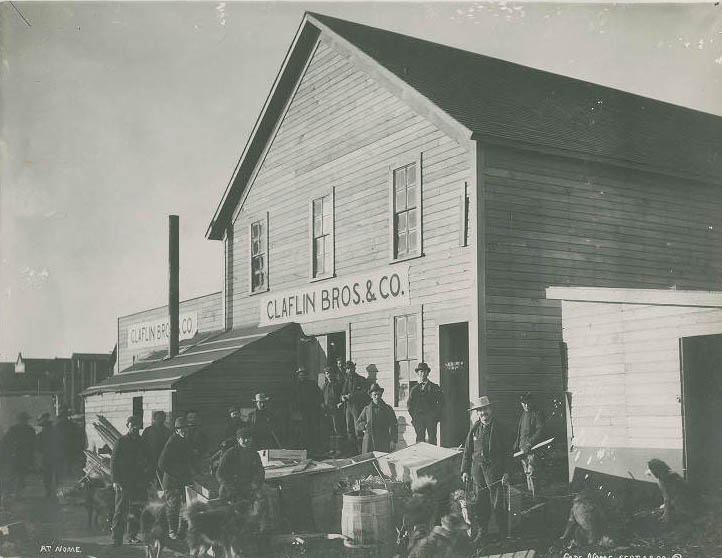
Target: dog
<point>154,528</point>
<point>448,540</point>
<point>680,501</point>
<point>587,522</point>
<point>420,512</point>
<point>98,498</point>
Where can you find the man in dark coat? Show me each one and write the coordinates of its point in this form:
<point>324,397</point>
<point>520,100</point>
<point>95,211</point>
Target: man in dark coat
<point>65,446</point>
<point>332,404</point>
<point>354,394</point>
<point>44,445</point>
<point>199,442</point>
<point>307,410</point>
<point>129,468</point>
<point>240,473</point>
<point>263,423</point>
<point>155,438</point>
<point>176,463</point>
<point>233,423</point>
<point>377,423</point>
<point>529,434</point>
<point>424,404</point>
<point>487,454</point>
<point>19,447</point>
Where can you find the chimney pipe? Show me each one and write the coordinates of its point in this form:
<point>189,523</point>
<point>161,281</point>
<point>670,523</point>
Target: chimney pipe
<point>173,252</point>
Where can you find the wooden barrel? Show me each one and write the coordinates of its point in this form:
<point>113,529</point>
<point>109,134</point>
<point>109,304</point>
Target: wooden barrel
<point>366,519</point>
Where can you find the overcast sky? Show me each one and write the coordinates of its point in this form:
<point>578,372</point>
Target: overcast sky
<point>116,115</point>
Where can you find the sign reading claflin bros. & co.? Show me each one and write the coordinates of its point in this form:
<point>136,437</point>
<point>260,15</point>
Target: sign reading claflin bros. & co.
<point>151,334</point>
<point>334,298</point>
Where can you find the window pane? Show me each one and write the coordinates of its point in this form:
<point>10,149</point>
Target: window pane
<point>400,203</point>
<point>411,175</point>
<point>400,179</point>
<point>255,248</point>
<point>411,197</point>
<point>401,248</point>
<point>412,244</point>
<point>411,351</point>
<point>411,325</point>
<point>327,262</point>
<point>326,224</point>
<point>262,238</point>
<point>411,219</point>
<point>401,348</point>
<point>317,226</point>
<point>401,224</point>
<point>317,207</point>
<point>326,206</point>
<point>401,326</point>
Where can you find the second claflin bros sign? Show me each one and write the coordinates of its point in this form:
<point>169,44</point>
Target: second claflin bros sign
<point>334,298</point>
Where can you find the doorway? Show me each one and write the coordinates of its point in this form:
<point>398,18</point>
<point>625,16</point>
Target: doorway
<point>320,350</point>
<point>454,375</point>
<point>702,407</point>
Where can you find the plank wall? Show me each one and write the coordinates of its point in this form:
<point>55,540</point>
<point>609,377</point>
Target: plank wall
<point>624,375</point>
<point>342,130</point>
<point>210,318</point>
<point>552,221</point>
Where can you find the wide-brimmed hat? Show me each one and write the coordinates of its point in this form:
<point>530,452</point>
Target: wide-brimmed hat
<point>261,397</point>
<point>423,366</point>
<point>375,387</point>
<point>479,402</point>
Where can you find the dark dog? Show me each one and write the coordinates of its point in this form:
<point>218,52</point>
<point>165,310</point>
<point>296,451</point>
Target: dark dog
<point>420,513</point>
<point>154,528</point>
<point>210,526</point>
<point>97,497</point>
<point>587,522</point>
<point>679,499</point>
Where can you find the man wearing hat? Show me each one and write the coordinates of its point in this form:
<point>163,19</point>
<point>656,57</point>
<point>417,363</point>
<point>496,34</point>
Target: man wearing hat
<point>354,394</point>
<point>306,412</point>
<point>155,438</point>
<point>424,404</point>
<point>19,446</point>
<point>45,447</point>
<point>487,454</point>
<point>176,463</point>
<point>528,434</point>
<point>377,422</point>
<point>65,445</point>
<point>129,469</point>
<point>263,423</point>
<point>335,422</point>
<point>233,423</point>
<point>240,473</point>
<point>197,438</point>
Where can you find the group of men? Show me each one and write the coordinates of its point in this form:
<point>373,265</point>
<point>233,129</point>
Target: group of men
<point>59,447</point>
<point>168,460</point>
<point>487,458</point>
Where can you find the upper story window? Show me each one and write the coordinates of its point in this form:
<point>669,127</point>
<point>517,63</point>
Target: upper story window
<point>406,208</point>
<point>259,255</point>
<point>406,356</point>
<point>322,224</point>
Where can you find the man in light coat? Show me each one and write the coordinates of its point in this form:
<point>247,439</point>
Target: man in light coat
<point>377,423</point>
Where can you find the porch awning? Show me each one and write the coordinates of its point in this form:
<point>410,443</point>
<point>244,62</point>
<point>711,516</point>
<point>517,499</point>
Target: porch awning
<point>164,373</point>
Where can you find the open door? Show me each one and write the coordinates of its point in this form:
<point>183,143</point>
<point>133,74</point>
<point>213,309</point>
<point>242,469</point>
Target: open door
<point>702,407</point>
<point>454,371</point>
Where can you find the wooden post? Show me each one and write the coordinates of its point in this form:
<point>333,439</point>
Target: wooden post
<point>173,289</point>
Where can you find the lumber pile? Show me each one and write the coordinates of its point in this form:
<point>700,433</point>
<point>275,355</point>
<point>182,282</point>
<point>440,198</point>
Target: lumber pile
<point>107,431</point>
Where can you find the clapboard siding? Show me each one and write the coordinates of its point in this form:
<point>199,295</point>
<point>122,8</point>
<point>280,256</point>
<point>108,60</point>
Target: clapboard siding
<point>342,130</point>
<point>552,221</point>
<point>634,348</point>
<point>210,318</point>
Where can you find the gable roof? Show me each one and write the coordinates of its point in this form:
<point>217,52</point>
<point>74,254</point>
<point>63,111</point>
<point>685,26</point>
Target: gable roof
<point>164,373</point>
<point>502,102</point>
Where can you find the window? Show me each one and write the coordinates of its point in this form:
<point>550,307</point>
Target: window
<point>406,356</point>
<point>138,408</point>
<point>406,206</point>
<point>322,232</point>
<point>259,256</point>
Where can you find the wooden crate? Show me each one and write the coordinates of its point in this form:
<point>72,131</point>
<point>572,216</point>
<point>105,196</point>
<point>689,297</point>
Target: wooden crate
<point>422,459</point>
<point>268,455</point>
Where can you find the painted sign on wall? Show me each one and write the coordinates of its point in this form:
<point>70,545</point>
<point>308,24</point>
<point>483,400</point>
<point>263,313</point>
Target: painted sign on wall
<point>335,298</point>
<point>151,334</point>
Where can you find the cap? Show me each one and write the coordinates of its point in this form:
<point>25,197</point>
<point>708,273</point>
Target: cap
<point>262,396</point>
<point>350,363</point>
<point>479,402</point>
<point>180,422</point>
<point>376,387</point>
<point>423,366</point>
<point>134,420</point>
<point>246,431</point>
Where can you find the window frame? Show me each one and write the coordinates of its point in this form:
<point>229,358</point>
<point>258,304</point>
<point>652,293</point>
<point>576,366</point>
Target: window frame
<point>263,218</point>
<point>396,164</point>
<point>418,314</point>
<point>331,195</point>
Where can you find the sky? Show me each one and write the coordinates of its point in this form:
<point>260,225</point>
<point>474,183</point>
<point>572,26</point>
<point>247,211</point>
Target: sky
<point>115,115</point>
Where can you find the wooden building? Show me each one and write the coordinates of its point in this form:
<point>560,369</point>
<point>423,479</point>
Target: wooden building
<point>407,201</point>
